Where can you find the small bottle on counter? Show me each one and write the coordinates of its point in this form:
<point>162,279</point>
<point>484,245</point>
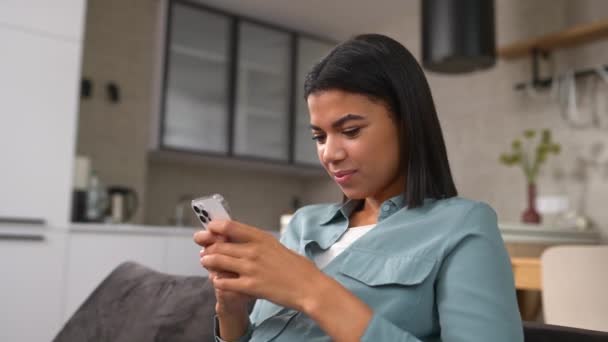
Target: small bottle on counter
<point>96,199</point>
<point>82,173</point>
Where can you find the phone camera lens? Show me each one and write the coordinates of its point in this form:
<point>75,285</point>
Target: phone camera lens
<point>196,209</point>
<point>203,219</point>
<point>205,213</point>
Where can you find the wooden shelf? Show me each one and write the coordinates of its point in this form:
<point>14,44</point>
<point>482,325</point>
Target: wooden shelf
<point>577,35</point>
<point>192,158</point>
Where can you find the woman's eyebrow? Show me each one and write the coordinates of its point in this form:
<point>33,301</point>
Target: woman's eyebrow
<point>341,121</point>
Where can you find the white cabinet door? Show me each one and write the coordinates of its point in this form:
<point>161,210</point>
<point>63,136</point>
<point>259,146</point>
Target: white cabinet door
<point>39,91</point>
<point>31,287</point>
<point>58,18</point>
<point>92,256</point>
<point>183,257</point>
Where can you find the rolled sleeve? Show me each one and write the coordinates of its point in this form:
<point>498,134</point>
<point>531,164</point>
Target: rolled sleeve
<point>216,332</point>
<point>381,329</point>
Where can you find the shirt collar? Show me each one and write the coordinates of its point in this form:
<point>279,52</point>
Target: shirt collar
<point>344,210</point>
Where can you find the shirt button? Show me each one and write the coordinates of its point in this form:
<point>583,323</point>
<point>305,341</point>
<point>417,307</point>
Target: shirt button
<point>386,207</point>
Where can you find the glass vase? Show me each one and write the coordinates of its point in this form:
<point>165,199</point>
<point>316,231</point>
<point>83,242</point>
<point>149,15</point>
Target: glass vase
<point>531,215</point>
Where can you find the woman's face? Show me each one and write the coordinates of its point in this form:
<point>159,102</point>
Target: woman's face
<point>357,143</point>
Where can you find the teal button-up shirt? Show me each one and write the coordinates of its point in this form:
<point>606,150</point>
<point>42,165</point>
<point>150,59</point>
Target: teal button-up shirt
<point>439,272</point>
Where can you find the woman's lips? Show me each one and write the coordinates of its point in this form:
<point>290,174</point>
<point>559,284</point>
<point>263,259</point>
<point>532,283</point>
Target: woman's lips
<point>343,177</point>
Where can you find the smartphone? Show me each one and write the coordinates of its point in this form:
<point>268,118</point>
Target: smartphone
<point>213,207</point>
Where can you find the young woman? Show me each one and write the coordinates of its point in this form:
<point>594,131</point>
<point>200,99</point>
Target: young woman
<point>402,258</point>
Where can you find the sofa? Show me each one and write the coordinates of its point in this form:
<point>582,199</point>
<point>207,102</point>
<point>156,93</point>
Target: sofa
<point>135,303</point>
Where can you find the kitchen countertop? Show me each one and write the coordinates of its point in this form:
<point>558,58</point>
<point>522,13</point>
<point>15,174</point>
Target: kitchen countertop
<point>539,234</point>
<point>100,228</point>
<point>511,232</point>
<point>134,229</point>
<point>37,232</point>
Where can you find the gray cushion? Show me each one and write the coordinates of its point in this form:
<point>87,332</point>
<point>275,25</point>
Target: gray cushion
<point>135,303</point>
<point>539,332</point>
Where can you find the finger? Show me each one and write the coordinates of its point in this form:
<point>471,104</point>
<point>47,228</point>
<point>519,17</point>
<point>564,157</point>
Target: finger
<point>234,231</point>
<point>223,274</point>
<point>239,284</point>
<point>213,273</point>
<point>204,238</point>
<point>219,294</point>
<point>237,250</point>
<point>225,263</point>
<point>220,237</point>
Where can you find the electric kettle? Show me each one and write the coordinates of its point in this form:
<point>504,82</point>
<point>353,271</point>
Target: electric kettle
<point>123,203</point>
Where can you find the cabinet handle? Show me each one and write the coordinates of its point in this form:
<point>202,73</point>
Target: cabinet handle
<point>21,237</point>
<point>22,220</point>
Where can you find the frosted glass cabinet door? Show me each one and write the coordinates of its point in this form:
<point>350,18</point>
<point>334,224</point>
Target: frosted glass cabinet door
<point>196,96</point>
<point>310,52</point>
<point>263,91</point>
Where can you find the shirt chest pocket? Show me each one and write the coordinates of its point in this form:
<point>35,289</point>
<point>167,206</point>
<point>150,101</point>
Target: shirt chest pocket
<point>393,286</point>
<point>269,320</point>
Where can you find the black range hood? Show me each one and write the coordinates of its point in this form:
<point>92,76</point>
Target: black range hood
<point>458,36</point>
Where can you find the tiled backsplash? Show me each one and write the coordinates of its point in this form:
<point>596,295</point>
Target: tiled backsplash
<point>257,198</point>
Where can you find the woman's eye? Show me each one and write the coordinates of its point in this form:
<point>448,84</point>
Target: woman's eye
<point>319,138</point>
<point>351,132</point>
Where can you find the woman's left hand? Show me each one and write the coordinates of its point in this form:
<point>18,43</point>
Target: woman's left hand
<point>265,268</point>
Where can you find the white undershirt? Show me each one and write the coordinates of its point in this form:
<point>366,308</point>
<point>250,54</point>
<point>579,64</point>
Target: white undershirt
<point>351,235</point>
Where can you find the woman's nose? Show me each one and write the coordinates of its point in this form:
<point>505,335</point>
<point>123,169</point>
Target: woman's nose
<point>333,151</point>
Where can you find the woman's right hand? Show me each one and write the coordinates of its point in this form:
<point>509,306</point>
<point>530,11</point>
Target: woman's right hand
<point>229,303</point>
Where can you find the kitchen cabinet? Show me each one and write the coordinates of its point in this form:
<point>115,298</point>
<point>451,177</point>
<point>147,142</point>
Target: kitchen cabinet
<point>232,87</point>
<point>39,83</point>
<point>58,19</point>
<point>183,257</point>
<point>31,290</point>
<point>196,83</point>
<point>309,52</point>
<point>263,92</point>
<point>40,65</point>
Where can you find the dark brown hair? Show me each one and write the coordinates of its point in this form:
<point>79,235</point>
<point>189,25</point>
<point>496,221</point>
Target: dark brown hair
<point>381,68</point>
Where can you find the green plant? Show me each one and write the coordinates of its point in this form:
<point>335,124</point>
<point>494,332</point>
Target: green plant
<point>521,155</point>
